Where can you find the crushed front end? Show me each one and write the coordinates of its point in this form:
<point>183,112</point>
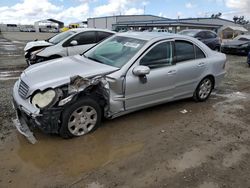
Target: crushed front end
<point>47,116</point>
<point>29,116</point>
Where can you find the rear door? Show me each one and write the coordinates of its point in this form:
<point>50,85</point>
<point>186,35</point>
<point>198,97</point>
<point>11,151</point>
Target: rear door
<point>85,40</point>
<point>191,63</point>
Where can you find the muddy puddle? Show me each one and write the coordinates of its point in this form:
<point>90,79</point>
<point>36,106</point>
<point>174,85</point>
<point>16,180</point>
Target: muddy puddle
<point>10,75</point>
<point>62,162</point>
<point>10,48</point>
<point>54,157</point>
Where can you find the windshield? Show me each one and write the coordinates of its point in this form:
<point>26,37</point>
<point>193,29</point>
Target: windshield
<point>188,33</point>
<point>60,37</point>
<point>242,38</point>
<point>115,51</point>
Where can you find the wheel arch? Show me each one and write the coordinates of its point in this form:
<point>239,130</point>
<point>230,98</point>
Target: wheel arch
<point>207,76</point>
<point>98,93</point>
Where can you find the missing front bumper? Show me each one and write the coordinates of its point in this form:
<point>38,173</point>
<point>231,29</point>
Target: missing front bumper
<point>24,129</point>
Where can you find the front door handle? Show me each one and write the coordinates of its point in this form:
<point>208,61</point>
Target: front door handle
<point>172,72</point>
<point>201,64</point>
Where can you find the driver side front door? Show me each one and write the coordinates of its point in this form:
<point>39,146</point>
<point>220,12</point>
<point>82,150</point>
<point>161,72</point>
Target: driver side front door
<point>156,87</point>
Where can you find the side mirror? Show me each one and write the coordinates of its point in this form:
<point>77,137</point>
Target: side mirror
<point>199,38</point>
<point>141,70</point>
<point>73,43</point>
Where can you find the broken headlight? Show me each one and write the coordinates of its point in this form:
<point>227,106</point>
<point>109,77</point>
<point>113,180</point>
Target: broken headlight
<point>43,99</point>
<point>33,54</point>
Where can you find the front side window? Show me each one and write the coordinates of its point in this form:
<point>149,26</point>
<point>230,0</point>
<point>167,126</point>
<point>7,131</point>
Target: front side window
<point>160,55</point>
<point>103,35</point>
<point>115,51</point>
<point>184,51</point>
<point>88,37</point>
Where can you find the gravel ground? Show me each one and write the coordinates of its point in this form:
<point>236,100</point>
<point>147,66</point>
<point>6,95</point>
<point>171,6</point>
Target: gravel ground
<point>207,147</point>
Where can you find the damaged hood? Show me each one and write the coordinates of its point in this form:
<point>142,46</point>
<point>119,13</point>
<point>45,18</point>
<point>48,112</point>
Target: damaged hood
<point>51,74</point>
<point>41,43</point>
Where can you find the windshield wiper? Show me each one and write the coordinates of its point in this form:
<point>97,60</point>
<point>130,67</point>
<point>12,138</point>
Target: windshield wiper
<point>91,58</point>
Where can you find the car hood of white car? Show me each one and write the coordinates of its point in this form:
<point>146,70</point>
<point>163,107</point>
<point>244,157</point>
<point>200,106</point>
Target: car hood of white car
<point>40,43</point>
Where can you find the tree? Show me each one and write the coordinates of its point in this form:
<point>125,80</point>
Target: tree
<point>240,20</point>
<point>218,15</point>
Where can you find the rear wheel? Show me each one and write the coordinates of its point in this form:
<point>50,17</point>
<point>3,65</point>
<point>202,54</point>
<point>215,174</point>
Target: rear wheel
<point>217,49</point>
<point>80,118</point>
<point>204,89</point>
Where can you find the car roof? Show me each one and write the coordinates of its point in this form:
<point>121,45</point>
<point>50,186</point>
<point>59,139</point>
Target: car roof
<point>198,30</point>
<point>245,36</point>
<point>90,29</point>
<point>148,35</point>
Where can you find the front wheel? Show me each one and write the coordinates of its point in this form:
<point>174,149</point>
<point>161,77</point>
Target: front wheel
<point>80,118</point>
<point>203,90</point>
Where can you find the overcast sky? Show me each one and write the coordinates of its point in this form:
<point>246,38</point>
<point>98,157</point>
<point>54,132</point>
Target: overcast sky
<point>69,11</point>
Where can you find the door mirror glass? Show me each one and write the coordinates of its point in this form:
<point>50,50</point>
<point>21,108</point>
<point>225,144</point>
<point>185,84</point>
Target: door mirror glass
<point>141,70</point>
<point>73,43</point>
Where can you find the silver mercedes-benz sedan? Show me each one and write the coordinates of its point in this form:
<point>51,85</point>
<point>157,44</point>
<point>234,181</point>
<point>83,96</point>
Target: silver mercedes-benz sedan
<point>127,72</point>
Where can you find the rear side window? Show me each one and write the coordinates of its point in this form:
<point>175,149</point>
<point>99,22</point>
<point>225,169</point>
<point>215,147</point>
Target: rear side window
<point>184,51</point>
<point>199,53</point>
<point>160,55</point>
<point>210,35</point>
<point>88,37</point>
<point>102,35</point>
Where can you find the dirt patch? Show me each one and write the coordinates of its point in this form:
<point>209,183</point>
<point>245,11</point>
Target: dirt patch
<point>205,147</point>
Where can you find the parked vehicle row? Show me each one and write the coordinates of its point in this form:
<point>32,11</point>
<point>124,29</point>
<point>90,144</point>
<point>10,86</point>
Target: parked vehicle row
<point>126,72</point>
<point>239,45</point>
<point>209,38</point>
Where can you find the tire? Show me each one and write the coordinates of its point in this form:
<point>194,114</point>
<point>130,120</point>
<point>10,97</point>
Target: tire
<point>204,89</point>
<point>80,118</point>
<point>217,49</point>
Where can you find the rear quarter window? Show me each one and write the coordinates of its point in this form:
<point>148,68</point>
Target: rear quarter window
<point>199,54</point>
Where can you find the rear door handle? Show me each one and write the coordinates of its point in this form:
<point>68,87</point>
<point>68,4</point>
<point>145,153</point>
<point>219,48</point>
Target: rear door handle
<point>201,64</point>
<point>172,72</point>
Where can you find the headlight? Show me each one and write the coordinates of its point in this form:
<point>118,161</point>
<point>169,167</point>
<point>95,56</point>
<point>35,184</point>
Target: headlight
<point>33,54</point>
<point>43,99</point>
<point>37,51</point>
<point>244,45</point>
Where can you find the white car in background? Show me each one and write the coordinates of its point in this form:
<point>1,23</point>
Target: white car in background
<point>71,42</point>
